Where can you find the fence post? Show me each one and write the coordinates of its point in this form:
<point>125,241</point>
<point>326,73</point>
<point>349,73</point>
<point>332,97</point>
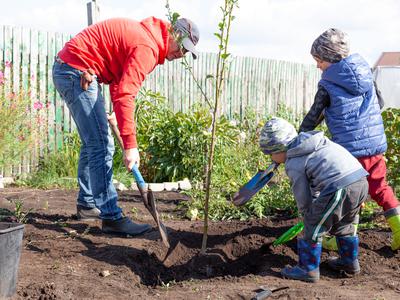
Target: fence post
<point>93,12</point>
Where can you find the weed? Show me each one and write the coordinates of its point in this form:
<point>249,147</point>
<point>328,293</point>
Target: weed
<point>134,211</point>
<point>167,285</point>
<point>20,214</point>
<point>368,215</point>
<point>61,223</point>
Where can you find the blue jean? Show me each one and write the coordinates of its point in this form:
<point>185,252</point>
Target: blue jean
<point>95,173</point>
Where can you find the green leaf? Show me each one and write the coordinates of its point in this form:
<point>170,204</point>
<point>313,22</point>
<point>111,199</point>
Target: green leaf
<point>225,55</point>
<point>209,76</point>
<point>175,17</point>
<point>217,35</point>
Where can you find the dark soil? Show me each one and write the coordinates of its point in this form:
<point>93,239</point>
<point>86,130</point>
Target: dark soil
<point>63,258</point>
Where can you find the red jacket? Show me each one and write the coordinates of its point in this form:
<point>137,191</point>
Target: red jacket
<point>121,52</point>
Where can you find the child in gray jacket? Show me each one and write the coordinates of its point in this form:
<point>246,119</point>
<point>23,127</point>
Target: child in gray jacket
<point>329,186</point>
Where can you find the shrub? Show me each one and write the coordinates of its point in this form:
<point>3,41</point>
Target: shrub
<point>175,143</point>
<point>391,118</point>
<point>19,126</point>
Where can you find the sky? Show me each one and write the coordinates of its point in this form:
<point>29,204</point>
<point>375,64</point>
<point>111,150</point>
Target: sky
<point>274,29</point>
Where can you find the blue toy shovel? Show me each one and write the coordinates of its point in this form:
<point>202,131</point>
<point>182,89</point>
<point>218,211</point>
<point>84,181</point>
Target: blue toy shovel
<point>256,183</point>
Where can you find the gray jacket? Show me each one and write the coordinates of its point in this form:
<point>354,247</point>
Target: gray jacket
<point>317,166</point>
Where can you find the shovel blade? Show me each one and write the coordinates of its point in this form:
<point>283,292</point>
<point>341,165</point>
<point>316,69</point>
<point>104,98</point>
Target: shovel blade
<point>289,234</point>
<point>254,185</point>
<point>153,211</point>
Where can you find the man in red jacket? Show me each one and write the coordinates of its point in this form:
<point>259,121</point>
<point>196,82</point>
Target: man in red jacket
<point>119,52</point>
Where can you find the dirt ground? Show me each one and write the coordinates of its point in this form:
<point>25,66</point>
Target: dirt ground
<point>63,258</point>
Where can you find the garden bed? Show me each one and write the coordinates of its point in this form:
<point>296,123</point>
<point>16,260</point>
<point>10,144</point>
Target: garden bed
<point>63,258</point>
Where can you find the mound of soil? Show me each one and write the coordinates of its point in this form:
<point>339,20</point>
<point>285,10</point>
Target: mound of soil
<point>64,258</point>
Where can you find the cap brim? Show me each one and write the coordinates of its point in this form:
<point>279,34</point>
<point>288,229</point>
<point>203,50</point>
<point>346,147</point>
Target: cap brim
<point>189,46</point>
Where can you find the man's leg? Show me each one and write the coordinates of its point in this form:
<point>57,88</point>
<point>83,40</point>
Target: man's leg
<point>86,208</point>
<point>85,196</point>
<point>88,111</point>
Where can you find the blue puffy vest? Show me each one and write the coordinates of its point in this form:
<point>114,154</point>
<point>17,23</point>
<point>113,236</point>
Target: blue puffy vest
<point>353,117</point>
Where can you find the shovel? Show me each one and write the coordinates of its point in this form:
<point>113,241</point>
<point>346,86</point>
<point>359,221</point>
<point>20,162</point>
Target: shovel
<point>264,292</point>
<point>150,204</point>
<point>289,234</point>
<point>147,195</point>
<point>256,183</point>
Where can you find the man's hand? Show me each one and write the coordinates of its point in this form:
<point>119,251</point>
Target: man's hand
<point>131,157</point>
<point>86,79</point>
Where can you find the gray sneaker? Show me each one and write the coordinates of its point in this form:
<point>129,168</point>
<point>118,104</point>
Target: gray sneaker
<point>87,214</point>
<point>124,227</point>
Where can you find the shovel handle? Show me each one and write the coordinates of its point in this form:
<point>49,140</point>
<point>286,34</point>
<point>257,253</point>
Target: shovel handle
<point>138,177</point>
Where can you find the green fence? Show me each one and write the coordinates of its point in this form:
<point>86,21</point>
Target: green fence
<point>27,56</point>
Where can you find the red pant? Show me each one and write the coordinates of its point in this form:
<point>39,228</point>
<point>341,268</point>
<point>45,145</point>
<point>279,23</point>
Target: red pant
<point>379,189</point>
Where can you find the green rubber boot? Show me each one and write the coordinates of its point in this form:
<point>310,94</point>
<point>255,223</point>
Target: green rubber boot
<point>394,223</point>
<point>329,241</point>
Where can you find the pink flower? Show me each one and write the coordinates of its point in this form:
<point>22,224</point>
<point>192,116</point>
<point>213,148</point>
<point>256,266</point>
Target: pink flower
<point>40,120</point>
<point>38,105</point>
<point>12,95</point>
<point>8,64</point>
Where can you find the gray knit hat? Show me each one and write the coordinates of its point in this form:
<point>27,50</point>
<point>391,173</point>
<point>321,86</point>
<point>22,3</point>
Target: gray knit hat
<point>276,136</point>
<point>331,46</point>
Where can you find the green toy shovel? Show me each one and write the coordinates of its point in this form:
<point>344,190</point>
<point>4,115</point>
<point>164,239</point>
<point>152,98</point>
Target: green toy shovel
<point>289,234</point>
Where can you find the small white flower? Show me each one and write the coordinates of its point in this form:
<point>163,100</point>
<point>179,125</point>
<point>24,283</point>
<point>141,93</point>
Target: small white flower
<point>233,122</point>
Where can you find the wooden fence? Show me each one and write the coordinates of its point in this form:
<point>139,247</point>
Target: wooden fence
<point>27,56</point>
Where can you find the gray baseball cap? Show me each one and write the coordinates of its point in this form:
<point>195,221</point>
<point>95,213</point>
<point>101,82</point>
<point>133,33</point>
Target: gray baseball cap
<point>190,33</point>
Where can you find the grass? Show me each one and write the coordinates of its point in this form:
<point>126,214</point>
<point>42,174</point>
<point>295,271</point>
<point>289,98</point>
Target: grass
<point>59,169</point>
<point>368,215</point>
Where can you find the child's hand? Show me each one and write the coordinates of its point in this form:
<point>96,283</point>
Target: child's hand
<point>112,119</point>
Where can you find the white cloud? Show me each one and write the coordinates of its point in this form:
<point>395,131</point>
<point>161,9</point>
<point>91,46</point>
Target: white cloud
<point>60,16</point>
<point>279,29</point>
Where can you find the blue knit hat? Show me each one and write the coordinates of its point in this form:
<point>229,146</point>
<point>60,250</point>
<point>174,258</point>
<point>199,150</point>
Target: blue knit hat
<point>276,135</point>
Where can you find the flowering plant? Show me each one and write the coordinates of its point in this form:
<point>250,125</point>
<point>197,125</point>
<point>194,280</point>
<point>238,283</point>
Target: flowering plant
<point>21,122</point>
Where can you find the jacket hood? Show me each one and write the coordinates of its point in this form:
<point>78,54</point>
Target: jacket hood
<point>305,143</point>
<point>351,73</point>
<point>159,31</point>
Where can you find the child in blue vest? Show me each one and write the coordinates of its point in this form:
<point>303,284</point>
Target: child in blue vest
<point>347,99</point>
<point>329,186</point>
